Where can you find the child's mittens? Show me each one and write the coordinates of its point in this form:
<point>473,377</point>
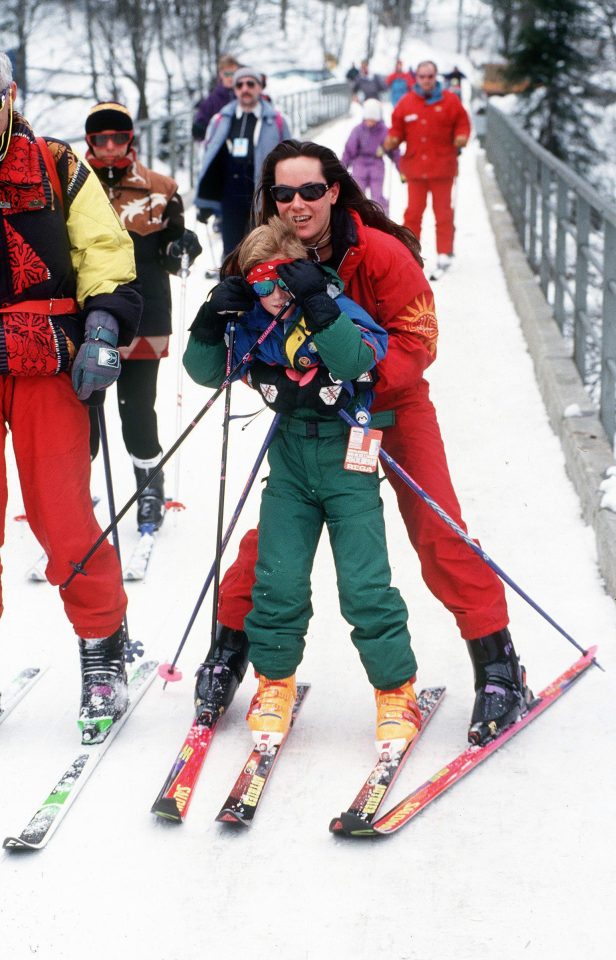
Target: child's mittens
<point>308,284</point>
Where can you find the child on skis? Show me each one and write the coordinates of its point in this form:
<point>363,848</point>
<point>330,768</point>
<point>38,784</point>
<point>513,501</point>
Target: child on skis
<point>317,360</point>
<point>363,153</point>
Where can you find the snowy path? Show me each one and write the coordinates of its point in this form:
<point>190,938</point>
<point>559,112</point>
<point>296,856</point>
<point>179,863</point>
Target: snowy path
<point>517,861</point>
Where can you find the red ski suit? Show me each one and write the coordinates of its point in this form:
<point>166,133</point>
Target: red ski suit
<point>430,162</point>
<point>382,275</point>
<point>63,252</point>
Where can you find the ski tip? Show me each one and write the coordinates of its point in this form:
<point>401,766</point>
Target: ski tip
<point>335,826</point>
<point>353,826</point>
<point>175,505</point>
<point>16,843</point>
<point>228,815</point>
<point>169,673</point>
<point>167,809</point>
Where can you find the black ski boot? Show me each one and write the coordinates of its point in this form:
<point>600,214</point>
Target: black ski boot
<point>104,693</point>
<point>151,501</point>
<point>219,676</point>
<point>502,696</point>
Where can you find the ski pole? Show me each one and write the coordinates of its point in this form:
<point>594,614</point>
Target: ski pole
<point>78,567</point>
<point>408,480</point>
<point>223,481</point>
<point>167,670</point>
<point>132,649</point>
<point>184,273</point>
<point>214,270</point>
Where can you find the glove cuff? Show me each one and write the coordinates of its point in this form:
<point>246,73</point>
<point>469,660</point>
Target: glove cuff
<point>101,325</point>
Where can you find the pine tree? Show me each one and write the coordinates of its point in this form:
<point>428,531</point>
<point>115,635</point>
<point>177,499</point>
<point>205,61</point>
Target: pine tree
<point>551,54</point>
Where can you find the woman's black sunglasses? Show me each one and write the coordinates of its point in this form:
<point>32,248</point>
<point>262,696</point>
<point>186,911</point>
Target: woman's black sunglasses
<point>308,191</point>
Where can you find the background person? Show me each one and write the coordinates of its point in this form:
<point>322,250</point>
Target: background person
<point>363,153</point>
<point>222,94</point>
<point>399,82</point>
<point>434,126</point>
<point>150,207</point>
<point>367,85</point>
<point>238,139</point>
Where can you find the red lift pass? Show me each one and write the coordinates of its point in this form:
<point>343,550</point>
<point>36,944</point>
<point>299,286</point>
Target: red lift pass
<point>363,450</point>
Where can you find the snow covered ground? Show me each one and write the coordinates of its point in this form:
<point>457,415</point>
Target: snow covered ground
<point>515,862</point>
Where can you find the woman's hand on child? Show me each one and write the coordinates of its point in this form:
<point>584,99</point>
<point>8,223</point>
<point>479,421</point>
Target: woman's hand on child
<point>308,284</point>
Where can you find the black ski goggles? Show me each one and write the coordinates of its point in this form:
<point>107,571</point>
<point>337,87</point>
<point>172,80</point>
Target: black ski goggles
<point>119,138</point>
<point>308,191</point>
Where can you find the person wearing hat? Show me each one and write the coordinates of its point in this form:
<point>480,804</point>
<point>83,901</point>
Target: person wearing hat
<point>221,95</point>
<point>238,139</point>
<point>150,207</point>
<point>363,152</point>
<point>67,303</point>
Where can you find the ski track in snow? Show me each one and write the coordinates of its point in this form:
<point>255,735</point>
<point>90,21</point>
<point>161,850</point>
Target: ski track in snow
<point>515,862</point>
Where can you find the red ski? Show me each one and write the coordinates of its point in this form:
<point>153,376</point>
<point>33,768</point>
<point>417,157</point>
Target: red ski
<point>419,799</point>
<point>241,804</point>
<point>383,775</point>
<point>173,800</point>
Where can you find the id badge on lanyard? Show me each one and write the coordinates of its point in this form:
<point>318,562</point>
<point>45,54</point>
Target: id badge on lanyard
<point>362,453</point>
<point>239,147</point>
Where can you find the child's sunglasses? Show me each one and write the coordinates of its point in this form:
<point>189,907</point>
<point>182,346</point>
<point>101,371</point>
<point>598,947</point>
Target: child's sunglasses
<point>100,139</point>
<point>263,288</point>
<point>308,191</point>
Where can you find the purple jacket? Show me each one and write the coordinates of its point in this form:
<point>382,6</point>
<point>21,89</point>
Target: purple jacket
<point>363,144</point>
<point>206,108</point>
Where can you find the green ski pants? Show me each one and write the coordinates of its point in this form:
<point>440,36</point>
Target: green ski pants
<point>308,486</point>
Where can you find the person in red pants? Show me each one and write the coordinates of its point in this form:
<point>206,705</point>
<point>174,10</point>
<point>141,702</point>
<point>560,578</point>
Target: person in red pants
<point>66,304</point>
<point>434,126</point>
<point>380,264</point>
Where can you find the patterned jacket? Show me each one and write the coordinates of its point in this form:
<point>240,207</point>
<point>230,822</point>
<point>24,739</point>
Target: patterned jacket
<point>151,209</point>
<point>60,256</point>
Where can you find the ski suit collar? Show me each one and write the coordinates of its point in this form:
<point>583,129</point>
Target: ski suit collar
<point>433,97</point>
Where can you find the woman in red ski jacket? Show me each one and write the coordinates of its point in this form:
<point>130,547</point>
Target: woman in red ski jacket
<point>382,270</point>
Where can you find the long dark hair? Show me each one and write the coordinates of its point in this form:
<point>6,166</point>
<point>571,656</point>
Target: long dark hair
<point>351,195</point>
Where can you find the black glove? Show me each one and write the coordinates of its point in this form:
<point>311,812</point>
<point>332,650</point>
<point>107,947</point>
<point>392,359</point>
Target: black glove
<point>208,326</point>
<point>308,284</point>
<point>204,214</point>
<point>233,295</point>
<point>187,243</point>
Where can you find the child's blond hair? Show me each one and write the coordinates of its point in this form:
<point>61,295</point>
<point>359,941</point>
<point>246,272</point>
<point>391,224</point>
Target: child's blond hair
<point>269,242</point>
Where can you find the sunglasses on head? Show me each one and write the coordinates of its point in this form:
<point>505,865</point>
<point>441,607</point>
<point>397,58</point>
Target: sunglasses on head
<point>100,139</point>
<point>245,83</point>
<point>263,288</point>
<point>308,191</point>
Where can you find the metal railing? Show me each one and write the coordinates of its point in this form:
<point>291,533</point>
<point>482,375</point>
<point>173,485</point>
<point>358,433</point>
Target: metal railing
<point>169,138</point>
<point>568,233</point>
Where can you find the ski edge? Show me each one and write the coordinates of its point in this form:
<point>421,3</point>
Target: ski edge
<point>549,695</point>
<point>35,675</point>
<point>338,825</point>
<point>94,753</point>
